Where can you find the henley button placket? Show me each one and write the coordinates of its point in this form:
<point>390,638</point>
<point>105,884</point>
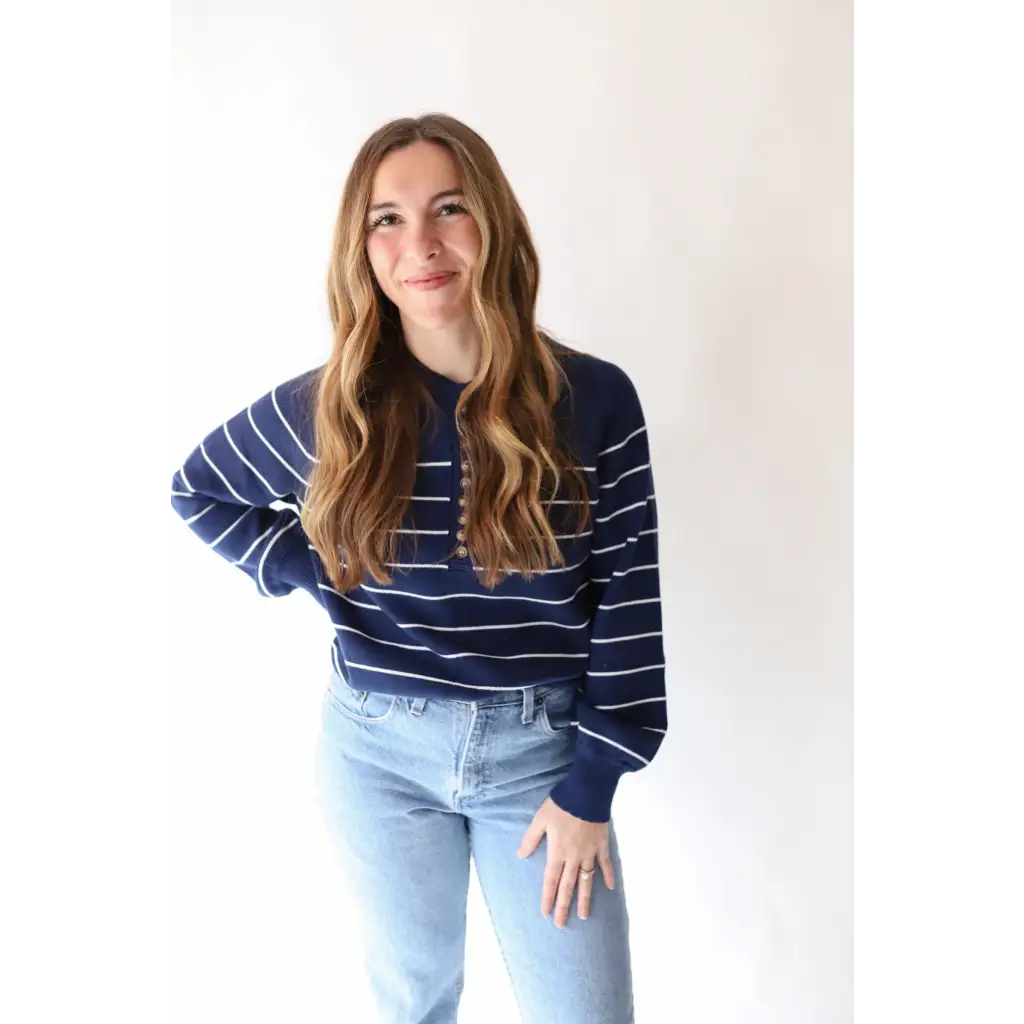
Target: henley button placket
<point>462,551</point>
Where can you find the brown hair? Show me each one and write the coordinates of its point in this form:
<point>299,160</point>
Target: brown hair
<point>369,396</point>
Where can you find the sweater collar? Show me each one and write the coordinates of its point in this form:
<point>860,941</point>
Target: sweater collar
<point>446,391</point>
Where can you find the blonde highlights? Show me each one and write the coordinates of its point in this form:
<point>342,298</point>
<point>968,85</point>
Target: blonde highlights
<point>369,397</point>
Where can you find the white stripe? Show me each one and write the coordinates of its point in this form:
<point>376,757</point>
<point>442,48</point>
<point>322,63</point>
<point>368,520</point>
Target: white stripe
<point>421,497</point>
<point>273,450</point>
<point>199,515</point>
<point>625,604</point>
<point>471,629</point>
<point>213,544</point>
<point>572,536</point>
<point>650,728</point>
<point>254,545</point>
<point>634,568</point>
<point>185,478</point>
<point>612,743</point>
<point>288,427</point>
<point>183,494</point>
<point>548,572</point>
<point>636,504</point>
<point>351,600</point>
<point>480,597</point>
<point>450,657</point>
<point>627,671</point>
<point>619,639</point>
<point>564,568</point>
<point>376,639</point>
<point>424,531</point>
<point>431,679</point>
<point>415,565</point>
<point>512,657</point>
<point>448,463</point>
<point>586,469</point>
<point>614,547</point>
<point>266,551</point>
<point>642,532</point>
<point>616,447</point>
<point>244,501</point>
<point>570,501</point>
<point>262,479</point>
<point>334,658</point>
<point>629,703</point>
<point>639,469</point>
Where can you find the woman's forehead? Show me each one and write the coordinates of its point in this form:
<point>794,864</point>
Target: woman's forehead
<point>415,174</point>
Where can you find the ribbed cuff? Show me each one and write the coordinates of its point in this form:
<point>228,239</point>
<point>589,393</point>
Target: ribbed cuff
<point>292,568</point>
<point>587,791</point>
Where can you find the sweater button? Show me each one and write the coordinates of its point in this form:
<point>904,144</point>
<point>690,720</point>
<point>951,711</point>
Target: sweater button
<point>465,482</point>
<point>461,535</point>
<point>462,500</point>
<point>461,551</point>
<point>465,467</point>
<point>462,518</point>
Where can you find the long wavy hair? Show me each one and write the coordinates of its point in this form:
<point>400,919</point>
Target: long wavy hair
<point>370,399</point>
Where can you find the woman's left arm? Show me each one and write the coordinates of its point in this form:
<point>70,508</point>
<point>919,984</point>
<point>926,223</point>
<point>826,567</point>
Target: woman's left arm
<point>621,710</point>
<point>622,714</point>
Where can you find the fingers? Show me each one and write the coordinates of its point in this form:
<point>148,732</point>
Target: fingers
<point>568,882</point>
<point>586,887</point>
<point>562,878</point>
<point>532,837</point>
<point>549,890</point>
<point>570,875</point>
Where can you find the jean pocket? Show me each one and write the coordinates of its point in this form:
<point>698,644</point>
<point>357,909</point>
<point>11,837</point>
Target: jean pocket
<point>366,706</point>
<point>556,709</point>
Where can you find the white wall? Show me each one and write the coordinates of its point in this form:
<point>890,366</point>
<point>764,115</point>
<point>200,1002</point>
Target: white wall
<point>686,171</point>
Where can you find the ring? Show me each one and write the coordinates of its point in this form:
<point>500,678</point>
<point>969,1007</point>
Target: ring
<point>585,874</point>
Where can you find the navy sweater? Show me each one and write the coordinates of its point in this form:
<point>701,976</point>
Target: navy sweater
<point>436,631</point>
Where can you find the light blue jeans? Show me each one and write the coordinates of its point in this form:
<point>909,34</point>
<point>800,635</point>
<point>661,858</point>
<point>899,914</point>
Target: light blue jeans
<point>411,789</point>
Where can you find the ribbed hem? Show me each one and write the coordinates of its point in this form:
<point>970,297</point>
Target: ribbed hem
<point>587,791</point>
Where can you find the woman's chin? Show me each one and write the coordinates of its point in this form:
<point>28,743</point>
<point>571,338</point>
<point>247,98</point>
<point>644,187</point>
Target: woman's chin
<point>434,319</point>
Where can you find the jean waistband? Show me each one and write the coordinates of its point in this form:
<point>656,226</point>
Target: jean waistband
<point>524,696</point>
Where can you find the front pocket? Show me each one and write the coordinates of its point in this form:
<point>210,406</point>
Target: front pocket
<point>364,706</point>
<point>556,710</point>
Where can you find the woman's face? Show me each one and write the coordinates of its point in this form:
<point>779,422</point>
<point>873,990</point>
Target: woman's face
<point>419,226</point>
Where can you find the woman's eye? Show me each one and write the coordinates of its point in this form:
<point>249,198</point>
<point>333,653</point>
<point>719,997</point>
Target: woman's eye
<point>384,219</point>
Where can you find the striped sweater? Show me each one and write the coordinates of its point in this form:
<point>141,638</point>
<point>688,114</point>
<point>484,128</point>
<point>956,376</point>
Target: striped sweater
<point>435,630</point>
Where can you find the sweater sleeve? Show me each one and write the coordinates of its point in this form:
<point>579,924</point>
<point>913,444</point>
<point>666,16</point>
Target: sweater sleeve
<point>621,709</point>
<point>241,489</point>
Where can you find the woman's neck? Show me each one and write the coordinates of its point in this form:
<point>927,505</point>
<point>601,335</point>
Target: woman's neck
<point>452,351</point>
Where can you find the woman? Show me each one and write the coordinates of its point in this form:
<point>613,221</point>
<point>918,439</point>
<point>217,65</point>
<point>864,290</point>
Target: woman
<point>472,503</point>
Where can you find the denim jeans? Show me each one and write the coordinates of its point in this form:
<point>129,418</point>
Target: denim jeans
<point>410,789</point>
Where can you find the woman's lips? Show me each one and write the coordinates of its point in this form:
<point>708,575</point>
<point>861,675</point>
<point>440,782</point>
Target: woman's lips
<point>428,284</point>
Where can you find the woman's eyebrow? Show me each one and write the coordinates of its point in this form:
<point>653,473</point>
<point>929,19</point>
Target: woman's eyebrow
<point>433,199</point>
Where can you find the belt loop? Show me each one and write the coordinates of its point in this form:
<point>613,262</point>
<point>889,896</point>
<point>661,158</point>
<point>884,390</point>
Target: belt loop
<point>528,704</point>
<point>417,705</point>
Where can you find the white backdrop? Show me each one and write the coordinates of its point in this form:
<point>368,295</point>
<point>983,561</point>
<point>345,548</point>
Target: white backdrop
<point>686,172</point>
